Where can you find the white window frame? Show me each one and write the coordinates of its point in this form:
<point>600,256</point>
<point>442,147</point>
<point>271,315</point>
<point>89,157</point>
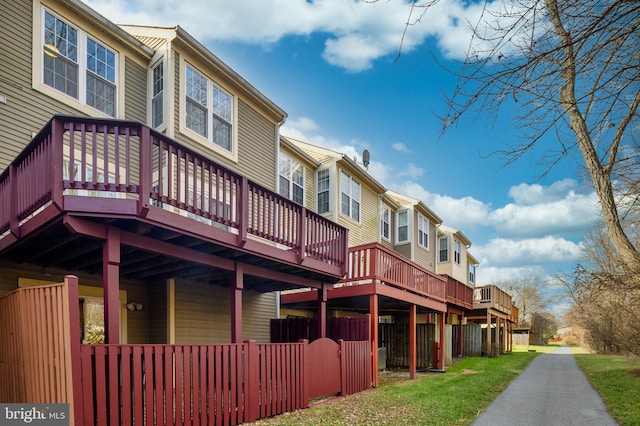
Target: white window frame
<point>457,251</point>
<point>444,249</point>
<point>472,273</point>
<point>292,178</point>
<point>212,87</point>
<point>423,231</point>
<point>81,63</point>
<point>322,189</point>
<point>399,225</point>
<point>385,223</point>
<point>352,191</point>
<point>157,99</point>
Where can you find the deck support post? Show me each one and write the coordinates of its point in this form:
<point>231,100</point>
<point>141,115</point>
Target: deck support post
<point>322,311</point>
<point>111,285</point>
<point>460,336</point>
<point>412,341</point>
<point>373,312</point>
<point>237,286</point>
<point>488,350</point>
<point>441,348</point>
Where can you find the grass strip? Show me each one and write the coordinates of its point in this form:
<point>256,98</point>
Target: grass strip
<point>455,397</point>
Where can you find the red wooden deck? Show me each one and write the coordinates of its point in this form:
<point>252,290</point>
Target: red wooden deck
<point>84,172</point>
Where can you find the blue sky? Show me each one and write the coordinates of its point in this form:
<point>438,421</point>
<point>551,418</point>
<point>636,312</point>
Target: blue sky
<point>331,65</point>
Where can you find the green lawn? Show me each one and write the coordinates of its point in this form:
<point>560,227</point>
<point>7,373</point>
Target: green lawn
<point>452,398</point>
<point>617,379</point>
<point>457,396</point>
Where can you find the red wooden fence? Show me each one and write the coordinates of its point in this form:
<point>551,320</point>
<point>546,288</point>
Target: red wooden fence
<point>344,328</point>
<point>214,384</point>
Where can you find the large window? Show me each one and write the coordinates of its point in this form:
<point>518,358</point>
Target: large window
<point>291,178</point>
<point>323,191</point>
<point>385,223</point>
<point>444,250</point>
<point>78,65</point>
<point>157,95</point>
<point>209,109</point>
<point>456,251</point>
<point>403,226</point>
<point>423,232</point>
<point>350,196</point>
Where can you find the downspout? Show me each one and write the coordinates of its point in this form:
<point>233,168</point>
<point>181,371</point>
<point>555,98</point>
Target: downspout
<point>277,134</point>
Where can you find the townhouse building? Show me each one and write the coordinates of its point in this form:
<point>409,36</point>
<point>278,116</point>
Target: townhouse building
<point>137,161</point>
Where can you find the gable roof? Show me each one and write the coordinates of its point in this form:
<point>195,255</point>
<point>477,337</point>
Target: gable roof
<point>343,161</point>
<point>447,230</point>
<point>177,35</point>
<point>419,205</point>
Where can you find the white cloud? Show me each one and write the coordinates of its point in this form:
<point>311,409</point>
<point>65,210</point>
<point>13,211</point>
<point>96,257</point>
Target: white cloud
<point>400,147</point>
<point>356,32</point>
<point>546,211</point>
<point>412,171</point>
<point>532,251</point>
<point>462,213</point>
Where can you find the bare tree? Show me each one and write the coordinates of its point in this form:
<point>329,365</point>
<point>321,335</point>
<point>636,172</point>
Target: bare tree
<point>527,295</point>
<point>570,70</point>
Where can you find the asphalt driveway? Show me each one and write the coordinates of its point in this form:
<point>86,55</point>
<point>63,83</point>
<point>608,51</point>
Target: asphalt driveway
<point>551,391</point>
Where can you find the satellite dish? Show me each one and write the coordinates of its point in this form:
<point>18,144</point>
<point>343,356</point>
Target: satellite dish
<point>366,157</point>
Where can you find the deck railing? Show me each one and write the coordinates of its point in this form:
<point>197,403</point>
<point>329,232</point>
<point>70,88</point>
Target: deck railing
<point>492,297</point>
<point>374,263</point>
<point>126,159</point>
<point>459,294</point>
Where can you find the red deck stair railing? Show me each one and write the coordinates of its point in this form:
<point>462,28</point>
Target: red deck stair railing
<point>375,263</point>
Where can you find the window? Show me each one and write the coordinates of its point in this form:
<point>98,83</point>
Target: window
<point>403,226</point>
<point>423,232</point>
<point>456,251</point>
<point>209,110</point>
<point>157,95</point>
<point>444,249</point>
<point>323,191</point>
<point>291,179</point>
<point>78,65</point>
<point>385,223</point>
<point>472,274</point>
<point>350,196</point>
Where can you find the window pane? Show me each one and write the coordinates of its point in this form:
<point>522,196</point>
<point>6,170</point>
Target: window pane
<point>196,118</point>
<point>101,95</point>
<point>101,61</point>
<point>61,74</point>
<point>222,104</point>
<point>355,211</point>
<point>402,233</point>
<point>284,186</point>
<point>221,133</point>
<point>196,87</point>
<point>345,208</point>
<point>323,202</point>
<point>298,194</point>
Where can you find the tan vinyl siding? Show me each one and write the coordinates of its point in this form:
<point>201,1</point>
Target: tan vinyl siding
<point>27,110</point>
<point>158,318</point>
<point>257,158</point>
<point>135,91</point>
<point>203,314</point>
<point>422,256</point>
<point>404,249</point>
<point>256,137</point>
<point>257,311</point>
<point>367,230</point>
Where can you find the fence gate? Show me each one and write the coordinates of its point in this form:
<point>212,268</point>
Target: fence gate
<point>324,367</point>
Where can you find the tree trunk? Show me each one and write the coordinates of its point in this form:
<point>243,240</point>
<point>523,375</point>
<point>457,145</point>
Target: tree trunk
<point>600,174</point>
